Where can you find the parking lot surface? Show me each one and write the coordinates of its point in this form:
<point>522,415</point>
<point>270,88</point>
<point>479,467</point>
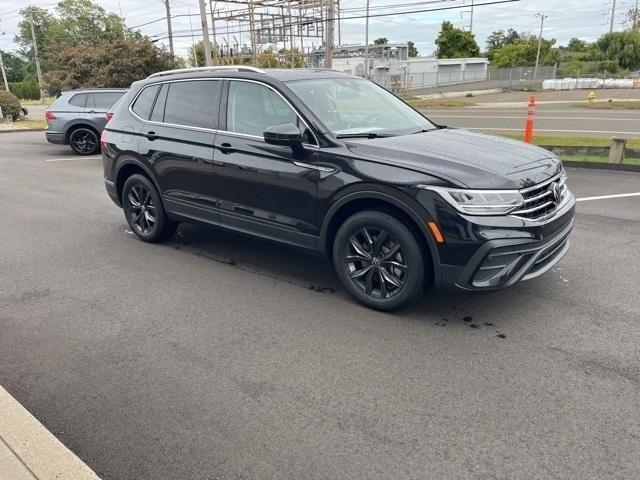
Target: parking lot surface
<point>213,356</point>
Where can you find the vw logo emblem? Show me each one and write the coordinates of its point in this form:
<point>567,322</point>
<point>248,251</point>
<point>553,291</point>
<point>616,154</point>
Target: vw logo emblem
<point>555,191</point>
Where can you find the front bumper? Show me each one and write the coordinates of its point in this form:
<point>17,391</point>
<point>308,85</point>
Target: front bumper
<point>500,264</point>
<point>493,253</point>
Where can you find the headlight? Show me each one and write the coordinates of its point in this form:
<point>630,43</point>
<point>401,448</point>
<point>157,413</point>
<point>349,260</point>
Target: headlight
<point>479,202</point>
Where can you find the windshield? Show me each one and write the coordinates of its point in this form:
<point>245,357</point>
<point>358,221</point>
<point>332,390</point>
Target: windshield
<point>352,106</point>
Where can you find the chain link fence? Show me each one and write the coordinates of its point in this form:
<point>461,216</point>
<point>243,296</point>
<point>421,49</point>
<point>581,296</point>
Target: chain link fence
<point>449,79</point>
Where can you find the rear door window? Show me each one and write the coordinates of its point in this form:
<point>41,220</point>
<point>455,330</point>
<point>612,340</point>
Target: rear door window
<point>193,103</point>
<point>143,104</point>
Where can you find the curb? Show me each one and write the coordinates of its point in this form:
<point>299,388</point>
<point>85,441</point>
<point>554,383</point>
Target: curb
<point>23,130</point>
<point>29,451</point>
<point>620,167</point>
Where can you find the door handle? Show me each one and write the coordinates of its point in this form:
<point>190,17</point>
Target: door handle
<point>225,148</point>
<point>150,136</point>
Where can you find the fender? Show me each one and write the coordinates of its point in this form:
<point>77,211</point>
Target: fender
<point>377,195</point>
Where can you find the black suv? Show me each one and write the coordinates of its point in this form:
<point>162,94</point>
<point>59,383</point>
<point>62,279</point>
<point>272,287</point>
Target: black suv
<point>336,164</point>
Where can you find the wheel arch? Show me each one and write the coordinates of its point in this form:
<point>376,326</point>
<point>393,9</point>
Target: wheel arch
<point>80,124</point>
<point>130,166</point>
<point>375,200</point>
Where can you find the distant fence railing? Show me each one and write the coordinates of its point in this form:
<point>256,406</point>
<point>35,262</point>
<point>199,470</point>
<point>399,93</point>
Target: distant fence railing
<point>516,78</point>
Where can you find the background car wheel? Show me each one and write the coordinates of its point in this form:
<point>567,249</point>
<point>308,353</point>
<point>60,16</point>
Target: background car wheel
<point>378,260</point>
<point>84,141</point>
<point>144,211</point>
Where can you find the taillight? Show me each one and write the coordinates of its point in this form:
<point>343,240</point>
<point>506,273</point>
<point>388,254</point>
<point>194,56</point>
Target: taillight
<point>103,138</point>
<point>109,116</point>
<point>48,115</point>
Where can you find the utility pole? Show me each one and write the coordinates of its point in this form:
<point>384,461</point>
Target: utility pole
<point>206,41</point>
<point>167,8</point>
<point>328,50</point>
<point>339,24</point>
<point>471,21</point>
<point>366,43</point>
<point>542,17</point>
<point>193,41</point>
<point>4,74</point>
<point>212,6</point>
<point>254,40</point>
<point>613,16</point>
<point>124,28</point>
<point>35,54</point>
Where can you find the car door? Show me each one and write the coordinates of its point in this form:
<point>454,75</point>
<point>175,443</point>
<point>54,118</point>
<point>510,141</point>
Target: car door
<point>264,189</point>
<point>177,140</point>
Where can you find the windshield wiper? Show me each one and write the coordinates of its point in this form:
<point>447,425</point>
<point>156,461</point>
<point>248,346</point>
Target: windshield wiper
<point>365,135</point>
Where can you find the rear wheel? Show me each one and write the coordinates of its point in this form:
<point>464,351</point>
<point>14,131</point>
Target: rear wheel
<point>144,211</point>
<point>84,141</point>
<point>378,260</point>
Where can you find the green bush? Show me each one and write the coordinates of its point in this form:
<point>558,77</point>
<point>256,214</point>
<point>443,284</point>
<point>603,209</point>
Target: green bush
<point>10,105</point>
<point>26,90</point>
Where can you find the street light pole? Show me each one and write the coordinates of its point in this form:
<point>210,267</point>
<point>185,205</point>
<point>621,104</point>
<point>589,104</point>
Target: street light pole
<point>542,17</point>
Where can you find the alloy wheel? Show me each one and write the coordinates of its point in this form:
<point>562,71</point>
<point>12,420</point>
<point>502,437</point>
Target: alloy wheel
<point>142,210</point>
<point>376,263</point>
<point>84,141</point>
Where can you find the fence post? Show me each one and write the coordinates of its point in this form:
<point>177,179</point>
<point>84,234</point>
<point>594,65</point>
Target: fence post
<point>616,153</point>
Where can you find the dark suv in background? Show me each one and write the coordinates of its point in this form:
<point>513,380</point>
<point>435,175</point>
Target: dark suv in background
<point>337,165</point>
<point>77,118</point>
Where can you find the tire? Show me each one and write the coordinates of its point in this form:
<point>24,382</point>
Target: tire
<point>379,260</point>
<point>144,211</point>
<point>84,141</point>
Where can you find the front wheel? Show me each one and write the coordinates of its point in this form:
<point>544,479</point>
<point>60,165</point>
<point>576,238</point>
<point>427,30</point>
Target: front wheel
<point>379,260</point>
<point>144,211</point>
<point>84,141</point>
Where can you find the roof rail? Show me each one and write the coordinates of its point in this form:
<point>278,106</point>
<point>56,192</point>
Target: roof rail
<point>233,68</point>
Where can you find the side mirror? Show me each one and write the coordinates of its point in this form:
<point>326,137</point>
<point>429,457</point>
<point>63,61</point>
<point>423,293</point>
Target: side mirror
<point>286,134</point>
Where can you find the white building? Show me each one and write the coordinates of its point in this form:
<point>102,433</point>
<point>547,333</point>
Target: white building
<point>391,66</point>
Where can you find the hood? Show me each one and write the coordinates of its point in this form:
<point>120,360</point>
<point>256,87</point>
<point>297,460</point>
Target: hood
<point>465,158</point>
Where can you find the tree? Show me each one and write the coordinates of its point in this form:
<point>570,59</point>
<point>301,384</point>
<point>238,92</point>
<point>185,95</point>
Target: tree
<point>381,41</point>
<point>84,22</point>
<point>500,39</point>
<point>117,63</point>
<point>633,18</point>
<point>622,47</point>
<point>577,45</point>
<point>454,42</point>
<point>15,67</point>
<point>523,52</point>
<point>42,21</point>
<point>413,51</point>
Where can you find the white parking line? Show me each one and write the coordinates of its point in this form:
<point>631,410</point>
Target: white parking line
<point>607,197</point>
<point>72,159</point>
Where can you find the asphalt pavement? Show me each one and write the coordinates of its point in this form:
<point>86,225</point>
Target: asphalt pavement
<point>551,119</point>
<point>214,356</point>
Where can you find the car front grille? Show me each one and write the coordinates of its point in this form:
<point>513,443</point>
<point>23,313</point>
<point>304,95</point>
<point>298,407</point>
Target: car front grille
<point>542,200</point>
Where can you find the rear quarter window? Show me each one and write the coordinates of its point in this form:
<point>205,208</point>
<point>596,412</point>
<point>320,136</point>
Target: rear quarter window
<point>79,100</point>
<point>106,100</point>
<point>143,104</point>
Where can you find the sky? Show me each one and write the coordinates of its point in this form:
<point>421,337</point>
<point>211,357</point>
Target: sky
<point>585,19</point>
